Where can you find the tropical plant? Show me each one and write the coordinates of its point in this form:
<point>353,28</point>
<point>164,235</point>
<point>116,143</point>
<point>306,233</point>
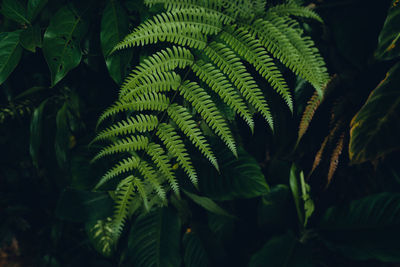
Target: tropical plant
<point>173,91</point>
<point>320,189</point>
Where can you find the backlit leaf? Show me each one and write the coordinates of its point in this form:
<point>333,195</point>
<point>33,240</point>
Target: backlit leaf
<point>375,129</point>
<point>389,38</point>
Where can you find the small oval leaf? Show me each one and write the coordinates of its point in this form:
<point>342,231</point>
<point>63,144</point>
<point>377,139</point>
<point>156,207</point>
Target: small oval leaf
<point>10,53</point>
<point>61,43</point>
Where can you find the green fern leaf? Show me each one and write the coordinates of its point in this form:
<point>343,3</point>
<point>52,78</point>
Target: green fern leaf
<point>177,149</point>
<point>123,199</point>
<point>251,50</point>
<point>210,5</point>
<point>204,105</point>
<point>150,101</point>
<point>159,157</point>
<point>139,123</point>
<point>275,33</point>
<point>309,54</point>
<point>187,27</point>
<point>241,33</point>
<point>294,10</point>
<point>151,176</point>
<point>231,65</point>
<point>156,82</point>
<point>218,82</point>
<point>165,60</point>
<point>123,166</point>
<point>188,126</point>
<point>132,143</point>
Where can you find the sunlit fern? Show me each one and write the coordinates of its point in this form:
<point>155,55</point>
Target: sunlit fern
<point>216,45</point>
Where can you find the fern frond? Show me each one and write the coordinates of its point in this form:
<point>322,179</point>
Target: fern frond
<point>219,83</point>
<point>123,166</point>
<point>210,5</point>
<point>335,158</point>
<point>177,149</point>
<point>102,236</point>
<point>251,50</point>
<point>132,143</point>
<point>159,157</point>
<point>139,123</point>
<point>308,114</point>
<point>204,105</point>
<point>231,65</point>
<point>165,60</point>
<point>150,101</point>
<point>156,82</point>
<point>275,34</point>
<point>230,33</point>
<point>187,27</point>
<point>291,9</point>
<point>310,58</point>
<point>141,189</point>
<point>318,156</point>
<point>123,199</point>
<point>151,176</point>
<point>188,126</point>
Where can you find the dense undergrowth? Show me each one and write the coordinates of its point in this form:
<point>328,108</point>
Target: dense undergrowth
<point>253,153</point>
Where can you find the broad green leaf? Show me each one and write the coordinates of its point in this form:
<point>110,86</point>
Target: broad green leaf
<point>389,38</point>
<point>195,254</point>
<point>13,9</point>
<point>375,129</point>
<point>61,43</point>
<point>84,206</point>
<point>282,251</point>
<point>10,53</point>
<point>368,228</point>
<point>154,240</point>
<point>114,27</point>
<point>34,8</point>
<point>207,204</point>
<point>238,177</point>
<point>36,129</point>
<point>62,136</point>
<point>31,38</point>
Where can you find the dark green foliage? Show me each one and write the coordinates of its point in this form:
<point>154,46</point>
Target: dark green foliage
<point>282,250</point>
<point>155,240</point>
<point>365,228</point>
<point>190,173</point>
<point>375,127</point>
